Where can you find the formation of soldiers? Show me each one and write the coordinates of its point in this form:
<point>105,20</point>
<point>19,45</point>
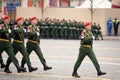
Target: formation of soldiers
<point>17,31</point>
<point>31,28</point>
<point>61,29</point>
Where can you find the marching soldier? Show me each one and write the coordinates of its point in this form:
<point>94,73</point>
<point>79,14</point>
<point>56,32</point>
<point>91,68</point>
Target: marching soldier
<point>1,60</point>
<point>94,31</point>
<point>70,29</point>
<point>99,33</point>
<point>86,49</point>
<point>18,44</point>
<point>5,44</point>
<point>33,43</point>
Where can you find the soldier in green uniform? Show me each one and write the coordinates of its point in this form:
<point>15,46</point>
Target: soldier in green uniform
<point>18,44</point>
<point>62,29</point>
<point>1,60</point>
<point>57,29</point>
<point>65,29</point>
<point>86,49</point>
<point>70,29</point>
<point>99,33</point>
<point>33,43</point>
<point>94,31</point>
<point>53,28</point>
<point>5,44</point>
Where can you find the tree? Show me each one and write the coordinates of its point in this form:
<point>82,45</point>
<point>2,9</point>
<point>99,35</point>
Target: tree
<point>42,7</point>
<point>92,9</point>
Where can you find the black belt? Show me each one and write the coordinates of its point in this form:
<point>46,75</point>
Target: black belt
<point>88,46</point>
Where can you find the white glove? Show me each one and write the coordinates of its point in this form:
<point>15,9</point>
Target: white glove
<point>82,37</point>
<point>9,31</point>
<point>24,30</point>
<point>93,37</point>
<point>38,33</point>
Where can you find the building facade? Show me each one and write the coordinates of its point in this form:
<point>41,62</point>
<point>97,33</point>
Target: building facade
<point>6,5</point>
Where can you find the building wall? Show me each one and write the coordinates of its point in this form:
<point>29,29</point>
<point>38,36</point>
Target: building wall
<point>100,15</point>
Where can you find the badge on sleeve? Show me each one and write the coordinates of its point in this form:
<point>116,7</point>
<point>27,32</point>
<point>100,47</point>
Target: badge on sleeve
<point>15,27</point>
<point>29,29</point>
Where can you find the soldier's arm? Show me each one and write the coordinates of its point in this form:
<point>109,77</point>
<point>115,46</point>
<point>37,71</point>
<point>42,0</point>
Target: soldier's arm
<point>18,31</point>
<point>3,31</point>
<point>85,38</point>
<point>30,33</point>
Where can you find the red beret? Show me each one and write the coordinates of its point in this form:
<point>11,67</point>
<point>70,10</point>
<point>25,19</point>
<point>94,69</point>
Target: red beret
<point>6,17</point>
<point>87,24</point>
<point>19,18</point>
<point>32,18</point>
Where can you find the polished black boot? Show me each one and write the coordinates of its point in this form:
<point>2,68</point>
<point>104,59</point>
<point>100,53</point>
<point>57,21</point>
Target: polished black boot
<point>74,74</point>
<point>7,69</point>
<point>31,69</point>
<point>20,69</point>
<point>99,72</point>
<point>46,67</point>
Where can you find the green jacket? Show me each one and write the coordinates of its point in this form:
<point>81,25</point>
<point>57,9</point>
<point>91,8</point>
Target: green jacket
<point>19,33</point>
<point>88,39</point>
<point>32,33</point>
<point>4,33</point>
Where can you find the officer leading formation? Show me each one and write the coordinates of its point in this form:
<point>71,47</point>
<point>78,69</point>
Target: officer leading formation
<point>86,49</point>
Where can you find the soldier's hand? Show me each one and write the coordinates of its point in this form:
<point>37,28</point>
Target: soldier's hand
<point>9,31</point>
<point>38,33</point>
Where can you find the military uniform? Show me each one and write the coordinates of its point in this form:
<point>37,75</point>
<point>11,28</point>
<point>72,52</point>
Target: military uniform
<point>94,31</point>
<point>5,45</point>
<point>99,33</point>
<point>18,45</point>
<point>86,49</point>
<point>1,60</point>
<point>33,44</point>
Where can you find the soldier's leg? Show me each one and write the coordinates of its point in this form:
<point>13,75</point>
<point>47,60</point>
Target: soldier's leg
<point>41,57</point>
<point>11,55</point>
<point>9,60</point>
<point>56,33</point>
<point>93,58</point>
<point>26,57</point>
<point>65,33</point>
<point>29,50</point>
<point>101,36</point>
<point>47,32</point>
<point>1,59</point>
<point>81,56</point>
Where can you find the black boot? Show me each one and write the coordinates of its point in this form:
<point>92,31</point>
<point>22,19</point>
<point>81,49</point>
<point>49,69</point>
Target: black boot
<point>74,74</point>
<point>7,70</point>
<point>46,67</point>
<point>20,69</point>
<point>31,69</point>
<point>2,65</point>
<point>99,72</point>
